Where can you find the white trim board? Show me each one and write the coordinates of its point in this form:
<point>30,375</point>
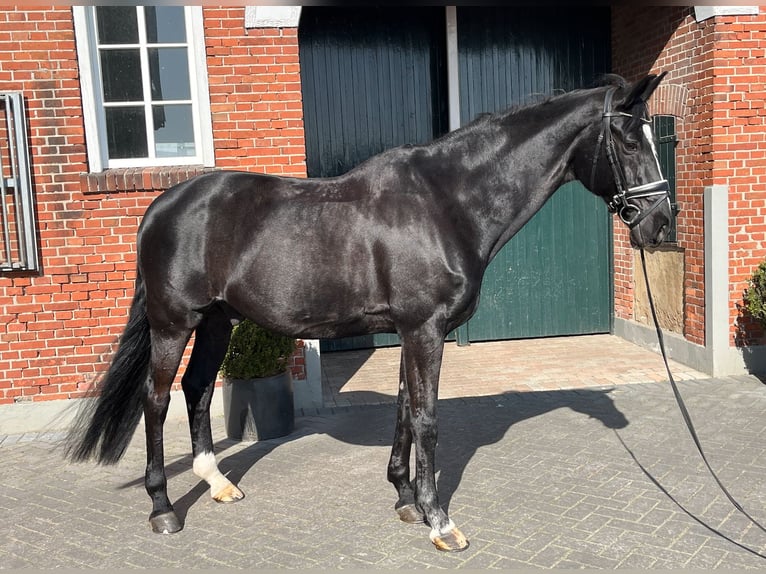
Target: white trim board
<point>272,16</point>
<point>704,12</point>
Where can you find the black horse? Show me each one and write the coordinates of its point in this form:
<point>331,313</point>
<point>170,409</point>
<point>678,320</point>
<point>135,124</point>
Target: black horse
<point>397,245</point>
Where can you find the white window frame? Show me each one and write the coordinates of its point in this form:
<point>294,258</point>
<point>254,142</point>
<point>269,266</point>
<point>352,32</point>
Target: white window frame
<point>92,100</point>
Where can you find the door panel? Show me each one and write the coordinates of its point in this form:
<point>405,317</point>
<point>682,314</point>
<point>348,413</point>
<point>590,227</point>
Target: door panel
<point>553,277</point>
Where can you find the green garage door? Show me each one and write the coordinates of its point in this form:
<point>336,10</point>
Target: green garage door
<point>374,78</point>
<point>553,277</point>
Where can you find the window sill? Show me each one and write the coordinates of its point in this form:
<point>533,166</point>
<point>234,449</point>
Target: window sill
<point>138,178</point>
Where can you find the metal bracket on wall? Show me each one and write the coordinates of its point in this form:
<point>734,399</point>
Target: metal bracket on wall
<point>18,246</point>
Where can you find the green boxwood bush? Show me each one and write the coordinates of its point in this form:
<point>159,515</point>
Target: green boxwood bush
<point>755,295</point>
<point>255,352</point>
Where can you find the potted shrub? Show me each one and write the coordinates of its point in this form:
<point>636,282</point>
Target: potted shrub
<point>755,295</point>
<point>257,384</point>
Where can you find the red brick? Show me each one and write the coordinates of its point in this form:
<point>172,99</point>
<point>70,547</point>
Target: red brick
<point>78,309</point>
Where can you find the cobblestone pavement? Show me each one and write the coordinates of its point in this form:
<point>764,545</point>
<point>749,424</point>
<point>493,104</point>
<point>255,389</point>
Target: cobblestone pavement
<point>602,477</point>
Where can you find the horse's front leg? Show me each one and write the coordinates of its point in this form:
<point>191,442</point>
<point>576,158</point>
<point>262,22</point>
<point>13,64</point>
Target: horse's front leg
<point>166,353</point>
<point>422,351</point>
<point>399,463</point>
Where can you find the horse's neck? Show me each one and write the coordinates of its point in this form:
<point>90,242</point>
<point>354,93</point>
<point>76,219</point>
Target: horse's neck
<point>511,175</point>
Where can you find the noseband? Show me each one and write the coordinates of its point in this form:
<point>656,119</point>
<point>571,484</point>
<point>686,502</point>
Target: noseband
<point>621,203</point>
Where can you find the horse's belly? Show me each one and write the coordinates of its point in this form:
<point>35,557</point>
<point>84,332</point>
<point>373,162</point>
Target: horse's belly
<point>333,326</point>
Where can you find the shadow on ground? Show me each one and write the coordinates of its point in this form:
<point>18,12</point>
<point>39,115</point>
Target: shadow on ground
<point>465,425</point>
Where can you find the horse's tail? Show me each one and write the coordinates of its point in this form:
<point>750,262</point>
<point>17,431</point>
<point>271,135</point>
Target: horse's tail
<point>105,423</point>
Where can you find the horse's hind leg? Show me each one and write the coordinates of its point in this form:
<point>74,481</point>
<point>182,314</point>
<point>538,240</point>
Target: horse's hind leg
<point>210,342</point>
<point>167,349</point>
<point>399,463</point>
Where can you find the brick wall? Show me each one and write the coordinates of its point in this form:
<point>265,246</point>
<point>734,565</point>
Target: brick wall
<point>739,149</point>
<point>255,94</point>
<point>668,38</point>
<point>721,140</point>
<point>44,319</point>
<point>58,329</point>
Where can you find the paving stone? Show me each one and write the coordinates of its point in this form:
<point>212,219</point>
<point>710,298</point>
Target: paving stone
<point>548,480</point>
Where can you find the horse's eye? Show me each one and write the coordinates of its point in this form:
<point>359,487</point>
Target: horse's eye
<point>631,146</point>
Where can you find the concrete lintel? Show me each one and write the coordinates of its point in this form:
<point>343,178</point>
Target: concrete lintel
<point>272,16</point>
<point>704,12</point>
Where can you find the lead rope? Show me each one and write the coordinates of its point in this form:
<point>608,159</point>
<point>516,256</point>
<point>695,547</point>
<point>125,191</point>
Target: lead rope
<point>682,406</point>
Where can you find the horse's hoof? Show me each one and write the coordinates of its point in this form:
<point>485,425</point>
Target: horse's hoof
<point>228,494</point>
<point>166,523</point>
<point>450,541</point>
<point>410,514</point>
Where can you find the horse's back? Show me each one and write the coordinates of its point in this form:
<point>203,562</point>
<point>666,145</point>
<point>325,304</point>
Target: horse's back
<point>304,256</point>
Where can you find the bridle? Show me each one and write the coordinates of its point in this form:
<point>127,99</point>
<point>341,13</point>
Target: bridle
<point>621,203</point>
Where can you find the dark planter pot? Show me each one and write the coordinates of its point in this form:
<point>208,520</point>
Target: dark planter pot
<point>259,409</point>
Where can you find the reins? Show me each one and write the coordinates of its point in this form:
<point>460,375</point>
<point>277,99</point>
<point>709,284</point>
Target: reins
<point>682,405</point>
<point>631,214</point>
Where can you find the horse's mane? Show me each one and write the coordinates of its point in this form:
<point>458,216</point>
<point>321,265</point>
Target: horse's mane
<point>610,80</point>
<point>537,99</point>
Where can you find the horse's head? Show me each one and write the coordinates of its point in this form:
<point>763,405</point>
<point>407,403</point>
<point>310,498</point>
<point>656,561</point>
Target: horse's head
<point>624,168</point>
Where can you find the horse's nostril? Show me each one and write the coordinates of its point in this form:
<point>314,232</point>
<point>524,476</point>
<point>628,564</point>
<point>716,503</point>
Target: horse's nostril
<point>661,234</point>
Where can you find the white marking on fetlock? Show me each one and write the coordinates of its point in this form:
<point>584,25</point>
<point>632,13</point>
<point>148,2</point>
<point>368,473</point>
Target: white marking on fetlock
<point>436,533</point>
<point>206,468</point>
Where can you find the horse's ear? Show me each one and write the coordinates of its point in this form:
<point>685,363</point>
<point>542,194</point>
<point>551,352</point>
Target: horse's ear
<point>640,92</point>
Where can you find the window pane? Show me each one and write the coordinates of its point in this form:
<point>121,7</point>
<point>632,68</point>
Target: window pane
<point>169,72</point>
<point>126,132</point>
<point>121,71</point>
<point>117,24</point>
<point>165,24</point>
<point>176,136</point>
